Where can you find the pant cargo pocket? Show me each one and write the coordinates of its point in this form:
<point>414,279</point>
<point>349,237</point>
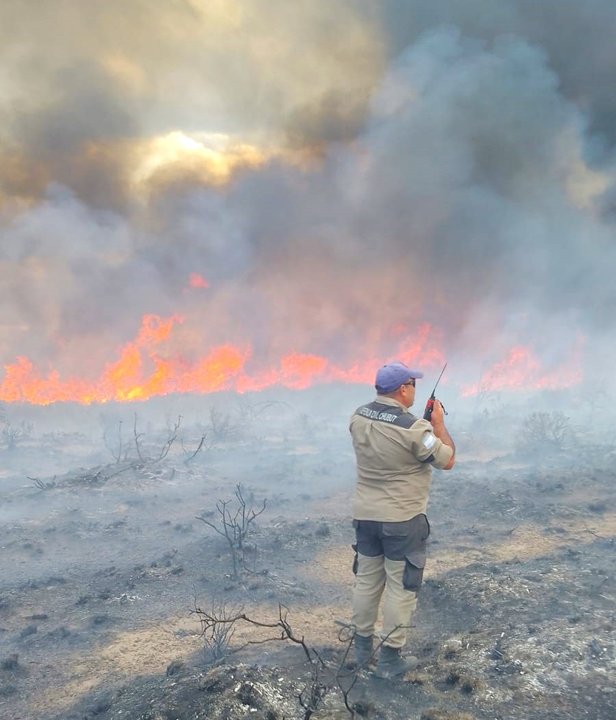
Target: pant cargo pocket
<point>413,571</point>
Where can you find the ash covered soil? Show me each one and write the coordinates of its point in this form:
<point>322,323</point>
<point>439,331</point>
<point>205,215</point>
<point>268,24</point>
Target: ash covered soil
<point>105,566</point>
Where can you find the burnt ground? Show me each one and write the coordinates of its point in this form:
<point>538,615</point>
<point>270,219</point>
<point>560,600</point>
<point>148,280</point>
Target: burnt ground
<point>104,562</point>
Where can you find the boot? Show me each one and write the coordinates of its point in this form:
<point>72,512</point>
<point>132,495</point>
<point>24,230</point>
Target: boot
<point>363,649</point>
<point>391,664</point>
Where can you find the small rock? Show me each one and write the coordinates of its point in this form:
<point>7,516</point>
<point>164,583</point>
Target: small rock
<point>11,662</point>
<point>174,667</point>
<point>29,630</point>
<point>452,647</point>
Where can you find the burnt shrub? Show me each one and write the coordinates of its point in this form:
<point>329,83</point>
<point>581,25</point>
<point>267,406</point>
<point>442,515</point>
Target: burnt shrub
<point>323,530</point>
<point>543,432</point>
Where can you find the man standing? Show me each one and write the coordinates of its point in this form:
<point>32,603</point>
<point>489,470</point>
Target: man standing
<point>395,454</point>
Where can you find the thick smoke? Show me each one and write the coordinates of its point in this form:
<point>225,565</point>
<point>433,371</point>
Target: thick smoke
<point>575,37</point>
<point>335,173</point>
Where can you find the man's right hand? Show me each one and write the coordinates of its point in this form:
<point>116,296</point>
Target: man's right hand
<point>438,414</point>
<point>441,432</point>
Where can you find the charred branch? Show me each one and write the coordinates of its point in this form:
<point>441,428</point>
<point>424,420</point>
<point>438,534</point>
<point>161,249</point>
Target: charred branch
<point>118,450</point>
<point>41,484</point>
<point>137,436</point>
<point>325,676</point>
<point>172,437</point>
<point>217,625</point>
<point>191,455</point>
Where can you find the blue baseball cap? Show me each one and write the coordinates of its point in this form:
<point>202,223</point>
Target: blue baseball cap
<point>391,376</point>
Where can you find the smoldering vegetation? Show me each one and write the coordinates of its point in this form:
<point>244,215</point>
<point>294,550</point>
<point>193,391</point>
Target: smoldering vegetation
<point>113,551</point>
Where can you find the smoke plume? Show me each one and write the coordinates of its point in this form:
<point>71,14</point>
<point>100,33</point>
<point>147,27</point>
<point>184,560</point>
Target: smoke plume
<point>338,179</point>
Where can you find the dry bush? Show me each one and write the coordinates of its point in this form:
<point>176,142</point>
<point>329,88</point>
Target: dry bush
<point>125,446</point>
<point>543,432</point>
<point>324,676</point>
<point>223,426</point>
<point>235,520</point>
<point>217,635</point>
<point>12,435</point>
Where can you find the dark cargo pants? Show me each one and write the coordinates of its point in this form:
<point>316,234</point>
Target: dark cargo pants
<point>389,564</point>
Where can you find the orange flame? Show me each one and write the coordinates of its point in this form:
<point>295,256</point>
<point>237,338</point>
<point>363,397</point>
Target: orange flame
<point>197,281</point>
<point>521,369</point>
<point>145,369</point>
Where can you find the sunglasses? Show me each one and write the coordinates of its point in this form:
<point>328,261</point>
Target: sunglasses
<point>411,382</point>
